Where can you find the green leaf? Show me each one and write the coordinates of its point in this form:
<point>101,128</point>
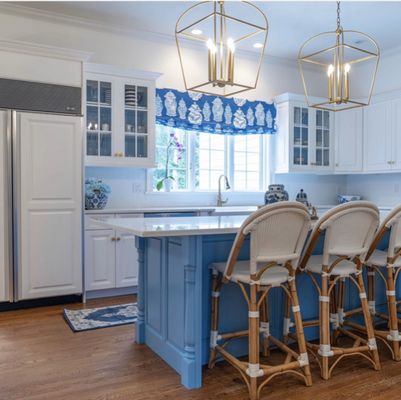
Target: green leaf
<point>159,185</point>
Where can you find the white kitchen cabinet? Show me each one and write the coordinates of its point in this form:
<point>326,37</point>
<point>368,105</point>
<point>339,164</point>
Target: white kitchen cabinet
<point>378,137</point>
<point>126,260</point>
<point>111,257</point>
<point>396,134</point>
<point>304,141</point>
<point>348,149</point>
<point>120,117</point>
<point>100,253</point>
<point>49,190</point>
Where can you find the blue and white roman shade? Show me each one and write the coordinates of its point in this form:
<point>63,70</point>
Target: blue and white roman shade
<point>199,112</point>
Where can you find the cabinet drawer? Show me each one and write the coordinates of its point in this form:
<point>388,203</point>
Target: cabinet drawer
<point>92,225</point>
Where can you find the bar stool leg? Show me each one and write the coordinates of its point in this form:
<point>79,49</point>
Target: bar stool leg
<point>300,331</point>
<point>287,319</point>
<point>371,290</point>
<point>253,370</point>
<point>368,321</point>
<point>334,320</point>
<point>265,328</point>
<point>394,335</point>
<point>214,317</point>
<point>325,349</point>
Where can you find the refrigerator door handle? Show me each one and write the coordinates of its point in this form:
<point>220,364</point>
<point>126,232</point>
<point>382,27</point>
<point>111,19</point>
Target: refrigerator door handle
<point>9,206</point>
<point>16,193</point>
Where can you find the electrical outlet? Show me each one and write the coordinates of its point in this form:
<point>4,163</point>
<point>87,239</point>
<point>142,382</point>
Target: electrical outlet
<point>137,187</point>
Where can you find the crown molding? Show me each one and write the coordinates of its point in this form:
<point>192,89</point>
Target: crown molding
<point>44,50</point>
<point>50,16</point>
<point>120,71</point>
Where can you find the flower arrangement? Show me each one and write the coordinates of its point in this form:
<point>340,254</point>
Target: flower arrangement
<point>96,193</point>
<point>174,148</point>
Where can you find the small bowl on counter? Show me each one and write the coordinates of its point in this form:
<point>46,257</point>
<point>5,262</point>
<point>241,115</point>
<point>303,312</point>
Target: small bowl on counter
<point>343,198</point>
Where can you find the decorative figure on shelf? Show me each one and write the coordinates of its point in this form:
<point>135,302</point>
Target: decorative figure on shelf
<point>174,149</point>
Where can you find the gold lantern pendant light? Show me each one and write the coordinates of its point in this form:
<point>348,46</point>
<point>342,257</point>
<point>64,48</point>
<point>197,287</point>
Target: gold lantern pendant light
<point>337,60</point>
<point>217,33</point>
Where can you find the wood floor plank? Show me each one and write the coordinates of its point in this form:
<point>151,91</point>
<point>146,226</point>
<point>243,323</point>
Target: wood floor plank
<point>42,359</point>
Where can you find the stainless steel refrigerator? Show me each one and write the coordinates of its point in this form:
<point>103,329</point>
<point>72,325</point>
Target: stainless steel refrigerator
<point>40,190</point>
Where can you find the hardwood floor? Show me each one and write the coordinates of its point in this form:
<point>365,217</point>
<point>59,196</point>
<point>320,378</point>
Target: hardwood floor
<point>42,359</point>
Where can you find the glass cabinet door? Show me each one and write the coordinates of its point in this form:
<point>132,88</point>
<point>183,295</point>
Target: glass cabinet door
<point>301,135</point>
<point>98,118</point>
<point>135,121</point>
<point>322,138</point>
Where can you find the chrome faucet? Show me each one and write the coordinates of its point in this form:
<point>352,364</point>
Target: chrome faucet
<point>220,200</point>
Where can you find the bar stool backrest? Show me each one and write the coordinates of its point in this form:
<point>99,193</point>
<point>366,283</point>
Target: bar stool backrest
<point>391,223</point>
<point>277,233</point>
<point>349,229</point>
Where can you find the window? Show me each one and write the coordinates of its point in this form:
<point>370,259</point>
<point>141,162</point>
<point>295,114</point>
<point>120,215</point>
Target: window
<point>202,157</point>
<point>210,160</point>
<point>247,162</point>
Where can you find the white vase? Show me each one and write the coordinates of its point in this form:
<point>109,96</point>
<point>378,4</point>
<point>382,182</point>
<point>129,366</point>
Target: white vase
<point>168,184</point>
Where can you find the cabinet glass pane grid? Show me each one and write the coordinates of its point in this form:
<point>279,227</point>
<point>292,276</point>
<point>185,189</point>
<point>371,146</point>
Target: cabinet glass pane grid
<point>322,138</point>
<point>136,121</point>
<point>98,118</point>
<point>301,135</point>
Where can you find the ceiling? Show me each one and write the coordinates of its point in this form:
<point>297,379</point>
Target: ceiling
<point>291,23</point>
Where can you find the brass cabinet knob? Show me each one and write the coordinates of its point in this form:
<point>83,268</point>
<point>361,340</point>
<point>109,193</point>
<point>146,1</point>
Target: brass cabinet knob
<point>115,154</point>
<point>113,239</point>
<point>118,239</point>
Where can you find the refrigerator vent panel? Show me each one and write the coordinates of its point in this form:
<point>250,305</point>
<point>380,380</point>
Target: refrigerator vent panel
<point>40,97</point>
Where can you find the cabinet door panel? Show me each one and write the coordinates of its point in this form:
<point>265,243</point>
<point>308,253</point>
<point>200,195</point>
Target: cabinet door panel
<point>377,135</point>
<point>100,259</point>
<point>349,146</point>
<point>126,260</point>
<point>49,221</point>
<point>396,134</point>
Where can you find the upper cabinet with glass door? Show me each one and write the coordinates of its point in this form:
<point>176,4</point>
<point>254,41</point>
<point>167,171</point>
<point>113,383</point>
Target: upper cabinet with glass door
<point>120,116</point>
<point>304,140</point>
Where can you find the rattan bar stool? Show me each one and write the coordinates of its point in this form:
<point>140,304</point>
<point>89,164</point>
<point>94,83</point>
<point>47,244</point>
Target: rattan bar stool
<point>348,232</point>
<point>386,263</point>
<point>277,235</point>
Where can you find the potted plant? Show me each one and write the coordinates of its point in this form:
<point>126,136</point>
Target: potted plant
<point>174,149</point>
<point>96,194</point>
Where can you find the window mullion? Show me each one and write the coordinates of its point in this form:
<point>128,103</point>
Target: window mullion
<point>229,165</point>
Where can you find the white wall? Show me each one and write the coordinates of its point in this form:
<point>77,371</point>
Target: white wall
<point>277,76</point>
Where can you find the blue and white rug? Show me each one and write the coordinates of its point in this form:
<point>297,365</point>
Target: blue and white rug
<point>103,317</point>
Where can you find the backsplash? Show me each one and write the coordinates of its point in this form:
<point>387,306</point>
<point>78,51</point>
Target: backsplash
<point>129,190</point>
<point>383,189</point>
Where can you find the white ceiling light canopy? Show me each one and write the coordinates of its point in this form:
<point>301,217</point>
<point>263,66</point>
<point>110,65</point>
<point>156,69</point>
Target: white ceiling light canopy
<point>219,28</point>
<point>344,59</point>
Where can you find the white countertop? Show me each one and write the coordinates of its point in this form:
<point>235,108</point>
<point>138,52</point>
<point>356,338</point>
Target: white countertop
<point>180,226</point>
<point>175,226</point>
<point>141,210</point>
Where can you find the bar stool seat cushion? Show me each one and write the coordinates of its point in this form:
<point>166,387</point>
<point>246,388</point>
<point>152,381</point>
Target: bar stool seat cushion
<point>343,268</point>
<point>273,276</point>
<point>379,258</point>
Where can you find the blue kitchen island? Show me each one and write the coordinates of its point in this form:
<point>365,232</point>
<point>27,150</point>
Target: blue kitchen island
<point>174,289</point>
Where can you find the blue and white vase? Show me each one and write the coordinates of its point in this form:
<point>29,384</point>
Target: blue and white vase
<point>276,193</point>
<point>96,194</point>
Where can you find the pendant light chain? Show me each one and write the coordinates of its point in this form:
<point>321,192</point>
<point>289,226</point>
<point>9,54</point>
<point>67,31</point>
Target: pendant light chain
<point>338,17</point>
